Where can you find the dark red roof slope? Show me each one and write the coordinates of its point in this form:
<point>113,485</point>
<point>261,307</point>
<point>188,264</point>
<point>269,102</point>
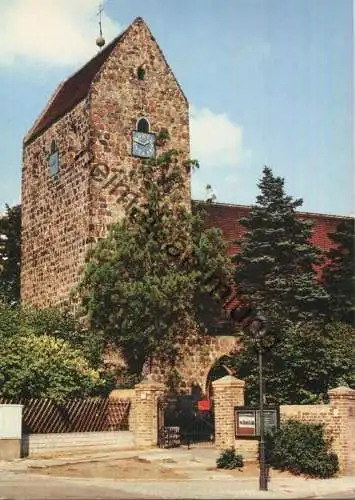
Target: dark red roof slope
<point>226,217</point>
<point>72,91</point>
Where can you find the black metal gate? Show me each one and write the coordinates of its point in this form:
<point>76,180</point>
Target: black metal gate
<point>180,422</point>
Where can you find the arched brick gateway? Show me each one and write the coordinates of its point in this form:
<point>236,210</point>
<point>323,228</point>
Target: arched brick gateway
<point>199,358</point>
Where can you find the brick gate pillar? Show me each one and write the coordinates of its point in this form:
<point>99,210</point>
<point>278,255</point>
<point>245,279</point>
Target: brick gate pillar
<point>342,401</point>
<point>145,408</point>
<point>228,392</point>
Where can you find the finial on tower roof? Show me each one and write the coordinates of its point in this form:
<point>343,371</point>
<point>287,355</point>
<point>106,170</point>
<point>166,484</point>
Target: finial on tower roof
<point>100,41</point>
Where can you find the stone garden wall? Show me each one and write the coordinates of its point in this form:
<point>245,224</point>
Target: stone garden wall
<point>339,422</point>
<point>338,418</point>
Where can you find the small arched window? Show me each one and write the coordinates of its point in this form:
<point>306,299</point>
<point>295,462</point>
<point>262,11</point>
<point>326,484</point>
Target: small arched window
<point>53,159</point>
<point>143,125</point>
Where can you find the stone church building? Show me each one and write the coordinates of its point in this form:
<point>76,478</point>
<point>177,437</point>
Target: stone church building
<point>105,117</point>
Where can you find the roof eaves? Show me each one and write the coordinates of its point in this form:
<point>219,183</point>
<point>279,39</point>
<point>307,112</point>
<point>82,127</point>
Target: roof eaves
<point>249,207</point>
<point>29,134</point>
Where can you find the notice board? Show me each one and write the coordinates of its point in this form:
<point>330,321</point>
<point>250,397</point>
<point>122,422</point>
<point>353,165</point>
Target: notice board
<point>247,421</point>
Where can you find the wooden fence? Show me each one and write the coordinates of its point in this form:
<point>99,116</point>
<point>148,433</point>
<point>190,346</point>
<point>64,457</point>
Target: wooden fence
<point>41,416</point>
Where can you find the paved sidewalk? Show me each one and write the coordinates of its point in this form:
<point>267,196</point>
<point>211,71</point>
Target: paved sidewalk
<point>201,483</point>
<point>14,486</point>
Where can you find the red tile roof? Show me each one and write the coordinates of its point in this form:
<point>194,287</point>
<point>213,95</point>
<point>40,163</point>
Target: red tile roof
<point>71,91</point>
<point>226,217</point>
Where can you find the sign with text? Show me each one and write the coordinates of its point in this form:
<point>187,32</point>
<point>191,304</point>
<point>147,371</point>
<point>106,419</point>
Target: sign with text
<point>247,421</point>
<point>270,421</point>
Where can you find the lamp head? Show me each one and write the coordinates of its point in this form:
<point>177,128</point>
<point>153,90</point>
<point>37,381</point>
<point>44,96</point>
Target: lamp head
<point>258,326</point>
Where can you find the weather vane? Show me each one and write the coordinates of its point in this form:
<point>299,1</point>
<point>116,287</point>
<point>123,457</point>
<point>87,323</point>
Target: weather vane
<point>100,41</point>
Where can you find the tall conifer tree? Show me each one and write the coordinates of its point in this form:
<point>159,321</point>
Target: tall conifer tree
<point>339,274</point>
<point>276,264</point>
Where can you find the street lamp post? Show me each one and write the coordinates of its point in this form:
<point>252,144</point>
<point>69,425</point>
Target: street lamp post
<point>259,330</point>
<point>263,473</point>
<point>256,323</point>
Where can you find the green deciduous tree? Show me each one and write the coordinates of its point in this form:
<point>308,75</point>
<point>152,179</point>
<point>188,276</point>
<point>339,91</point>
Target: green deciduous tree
<point>59,324</point>
<point>41,366</point>
<point>10,254</point>
<point>47,353</point>
<point>275,268</point>
<point>158,274</point>
<point>309,359</point>
<point>339,273</point>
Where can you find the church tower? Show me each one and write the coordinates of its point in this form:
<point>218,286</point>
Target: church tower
<point>103,118</point>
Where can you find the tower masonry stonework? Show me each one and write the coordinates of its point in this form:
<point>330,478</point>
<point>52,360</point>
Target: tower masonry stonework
<point>74,151</point>
<point>99,123</point>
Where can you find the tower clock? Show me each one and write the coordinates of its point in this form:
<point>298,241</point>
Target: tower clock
<point>143,141</point>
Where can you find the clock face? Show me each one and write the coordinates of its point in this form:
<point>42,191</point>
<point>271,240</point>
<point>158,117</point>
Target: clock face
<point>143,144</point>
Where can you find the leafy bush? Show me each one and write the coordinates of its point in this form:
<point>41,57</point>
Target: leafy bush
<point>34,366</point>
<point>228,459</point>
<point>309,359</point>
<point>302,449</point>
<point>48,353</point>
<point>54,322</point>
<point>10,320</point>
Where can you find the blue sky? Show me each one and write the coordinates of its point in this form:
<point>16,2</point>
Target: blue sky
<point>268,81</point>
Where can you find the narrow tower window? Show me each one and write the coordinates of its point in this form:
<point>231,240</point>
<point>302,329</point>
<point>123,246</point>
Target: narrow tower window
<point>143,125</point>
<point>53,159</point>
<point>140,73</point>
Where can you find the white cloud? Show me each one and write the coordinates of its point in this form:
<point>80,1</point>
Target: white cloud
<point>216,141</point>
<point>51,32</point>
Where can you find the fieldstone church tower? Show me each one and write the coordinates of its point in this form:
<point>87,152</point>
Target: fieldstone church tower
<point>105,117</point>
